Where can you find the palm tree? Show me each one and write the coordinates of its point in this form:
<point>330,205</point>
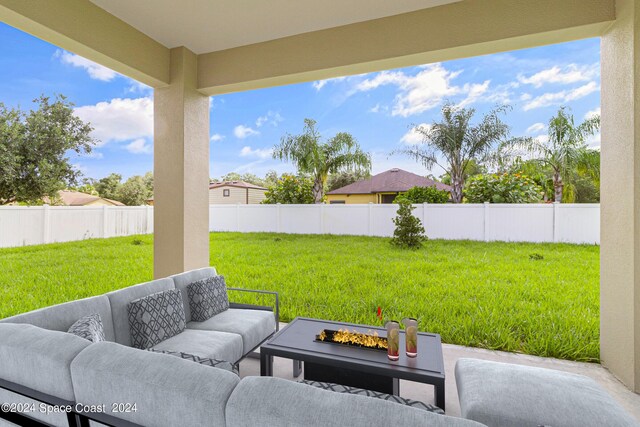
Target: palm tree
<point>566,149</point>
<point>339,154</point>
<point>454,142</point>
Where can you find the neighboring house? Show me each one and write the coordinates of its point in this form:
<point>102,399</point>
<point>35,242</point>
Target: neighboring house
<point>381,188</point>
<point>76,198</point>
<point>235,192</point>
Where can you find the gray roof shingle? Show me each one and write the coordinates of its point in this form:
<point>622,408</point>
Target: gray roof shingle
<point>393,180</point>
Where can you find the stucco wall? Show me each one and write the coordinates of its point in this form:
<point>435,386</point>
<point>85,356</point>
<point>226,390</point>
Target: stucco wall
<point>350,199</point>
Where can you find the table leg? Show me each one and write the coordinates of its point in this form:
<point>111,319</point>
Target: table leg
<point>439,392</point>
<point>297,368</point>
<point>266,364</point>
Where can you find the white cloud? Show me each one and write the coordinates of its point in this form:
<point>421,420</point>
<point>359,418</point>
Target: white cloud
<point>261,153</point>
<point>542,139</point>
<point>273,118</point>
<point>242,131</point>
<point>375,108</point>
<point>119,119</point>
<point>139,88</point>
<point>475,92</point>
<point>93,155</point>
<point>557,98</point>
<point>568,74</point>
<point>217,137</point>
<point>592,113</point>
<point>96,71</point>
<point>319,84</point>
<point>536,127</point>
<point>594,141</point>
<point>413,137</point>
<point>525,97</point>
<point>139,146</point>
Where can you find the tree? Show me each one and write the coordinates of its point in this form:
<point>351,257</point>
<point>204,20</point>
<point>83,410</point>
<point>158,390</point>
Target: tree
<point>247,177</point>
<point>409,232</point>
<point>134,191</point>
<point>341,153</point>
<point>458,142</point>
<point>109,186</point>
<point>503,188</point>
<point>339,180</point>
<point>473,168</point>
<point>270,179</point>
<point>34,147</point>
<point>290,189</point>
<point>418,195</point>
<point>566,148</point>
<point>148,183</point>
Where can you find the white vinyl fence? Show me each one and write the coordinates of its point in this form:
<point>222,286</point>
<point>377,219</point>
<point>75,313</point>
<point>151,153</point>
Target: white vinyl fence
<point>570,223</point>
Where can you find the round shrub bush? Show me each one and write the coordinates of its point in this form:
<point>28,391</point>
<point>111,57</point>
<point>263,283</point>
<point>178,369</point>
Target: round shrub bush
<point>502,188</point>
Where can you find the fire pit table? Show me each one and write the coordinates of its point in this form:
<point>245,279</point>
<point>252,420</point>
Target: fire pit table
<point>355,366</point>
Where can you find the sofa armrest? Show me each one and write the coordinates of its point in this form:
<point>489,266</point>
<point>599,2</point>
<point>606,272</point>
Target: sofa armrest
<point>275,309</point>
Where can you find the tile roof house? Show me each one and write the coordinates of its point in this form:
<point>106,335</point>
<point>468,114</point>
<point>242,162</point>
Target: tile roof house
<point>76,198</point>
<point>381,188</point>
<point>235,192</point>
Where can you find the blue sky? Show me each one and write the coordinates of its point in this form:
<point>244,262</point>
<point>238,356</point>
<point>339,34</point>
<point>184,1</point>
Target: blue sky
<point>379,109</point>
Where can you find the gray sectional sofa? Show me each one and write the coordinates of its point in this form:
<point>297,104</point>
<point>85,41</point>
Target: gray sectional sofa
<point>40,360</point>
<point>60,379</point>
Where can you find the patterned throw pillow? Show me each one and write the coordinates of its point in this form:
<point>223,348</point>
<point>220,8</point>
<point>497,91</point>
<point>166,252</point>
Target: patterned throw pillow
<point>155,318</point>
<point>88,327</point>
<point>207,298</point>
<point>362,392</point>
<point>216,363</point>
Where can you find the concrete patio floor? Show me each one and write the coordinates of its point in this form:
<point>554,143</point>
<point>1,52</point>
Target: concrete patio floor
<point>283,368</point>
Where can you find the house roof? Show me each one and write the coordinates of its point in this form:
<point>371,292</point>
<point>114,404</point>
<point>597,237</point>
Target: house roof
<point>76,198</point>
<point>239,184</point>
<point>393,180</point>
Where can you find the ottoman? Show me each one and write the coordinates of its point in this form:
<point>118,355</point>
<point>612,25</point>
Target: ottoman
<point>500,394</point>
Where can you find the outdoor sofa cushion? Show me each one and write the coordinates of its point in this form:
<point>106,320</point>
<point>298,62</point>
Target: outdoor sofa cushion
<point>501,394</point>
<point>207,297</point>
<point>209,344</point>
<point>88,327</point>
<point>182,280</point>
<point>206,361</point>
<point>273,401</point>
<point>339,388</point>
<point>60,317</point>
<point>38,358</point>
<point>253,325</point>
<point>119,301</point>
<point>167,391</point>
<point>155,318</point>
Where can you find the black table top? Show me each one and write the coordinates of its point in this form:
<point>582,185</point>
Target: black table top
<point>297,341</point>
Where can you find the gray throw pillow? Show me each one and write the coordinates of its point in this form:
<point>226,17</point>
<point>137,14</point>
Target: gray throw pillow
<point>216,363</point>
<point>88,327</point>
<point>207,298</point>
<point>155,318</point>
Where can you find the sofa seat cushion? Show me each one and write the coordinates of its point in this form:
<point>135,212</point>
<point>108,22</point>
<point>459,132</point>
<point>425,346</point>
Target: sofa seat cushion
<point>269,401</point>
<point>338,388</point>
<point>209,344</point>
<point>167,391</point>
<point>205,361</point>
<point>500,394</point>
<point>253,325</point>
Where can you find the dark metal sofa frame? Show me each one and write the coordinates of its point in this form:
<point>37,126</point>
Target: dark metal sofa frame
<point>81,419</point>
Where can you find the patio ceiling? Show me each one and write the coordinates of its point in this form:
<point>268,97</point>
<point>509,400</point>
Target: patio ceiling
<point>207,26</point>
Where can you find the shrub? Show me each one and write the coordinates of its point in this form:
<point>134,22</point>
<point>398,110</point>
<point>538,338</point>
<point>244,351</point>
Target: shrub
<point>424,195</point>
<point>502,188</point>
<point>290,189</point>
<point>409,232</point>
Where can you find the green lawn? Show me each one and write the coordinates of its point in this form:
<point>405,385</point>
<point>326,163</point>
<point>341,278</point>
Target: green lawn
<point>490,295</point>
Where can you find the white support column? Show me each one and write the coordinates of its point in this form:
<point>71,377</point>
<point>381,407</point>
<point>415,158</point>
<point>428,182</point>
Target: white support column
<point>485,222</point>
<point>181,170</point>
<point>370,219</point>
<point>278,218</point>
<point>322,218</point>
<point>46,224</point>
<point>620,200</point>
<point>238,217</point>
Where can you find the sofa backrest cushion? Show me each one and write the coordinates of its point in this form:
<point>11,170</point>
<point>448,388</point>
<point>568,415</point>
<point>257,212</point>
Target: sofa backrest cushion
<point>275,401</point>
<point>167,390</point>
<point>155,318</point>
<point>38,358</point>
<point>120,300</point>
<point>183,280</point>
<point>60,317</point>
